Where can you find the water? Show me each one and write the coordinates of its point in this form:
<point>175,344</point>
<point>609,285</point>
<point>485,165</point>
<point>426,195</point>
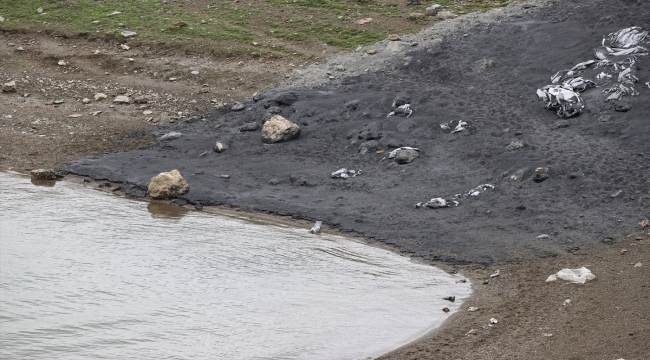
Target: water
<point>85,274</point>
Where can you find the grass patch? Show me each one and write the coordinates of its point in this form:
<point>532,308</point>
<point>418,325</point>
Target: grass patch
<point>232,27</point>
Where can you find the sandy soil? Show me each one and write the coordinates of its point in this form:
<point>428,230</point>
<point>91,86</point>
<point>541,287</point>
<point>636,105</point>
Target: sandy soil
<point>485,73</point>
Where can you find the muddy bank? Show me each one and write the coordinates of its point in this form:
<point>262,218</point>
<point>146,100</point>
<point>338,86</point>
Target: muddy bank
<point>485,75</point>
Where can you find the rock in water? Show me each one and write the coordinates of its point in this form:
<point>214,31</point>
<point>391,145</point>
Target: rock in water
<point>9,87</point>
<point>43,174</point>
<point>278,129</point>
<point>167,185</point>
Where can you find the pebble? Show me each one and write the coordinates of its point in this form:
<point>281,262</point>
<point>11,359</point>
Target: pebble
<point>121,99</point>
<point>100,96</point>
<point>372,52</point>
<point>147,112</point>
<point>195,72</point>
<point>85,100</point>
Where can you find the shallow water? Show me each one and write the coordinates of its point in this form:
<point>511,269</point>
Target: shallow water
<point>85,274</point>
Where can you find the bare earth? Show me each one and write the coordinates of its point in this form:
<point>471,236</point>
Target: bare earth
<point>607,318</point>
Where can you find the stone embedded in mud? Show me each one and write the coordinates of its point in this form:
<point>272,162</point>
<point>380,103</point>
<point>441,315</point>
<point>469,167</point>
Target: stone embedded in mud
<point>519,174</point>
<point>541,174</point>
<point>251,126</point>
<point>515,145</point>
<point>219,147</point>
<point>368,146</point>
<point>406,156</point>
<point>122,99</point>
<point>237,107</point>
<point>9,87</point>
<point>171,136</point>
<point>286,98</point>
<point>43,174</point>
<point>278,129</point>
<point>167,185</point>
<point>397,46</point>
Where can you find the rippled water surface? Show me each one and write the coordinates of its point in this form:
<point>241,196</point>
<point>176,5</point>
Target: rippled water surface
<point>89,275</point>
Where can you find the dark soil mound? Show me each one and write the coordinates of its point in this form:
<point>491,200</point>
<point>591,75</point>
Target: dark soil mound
<point>599,166</point>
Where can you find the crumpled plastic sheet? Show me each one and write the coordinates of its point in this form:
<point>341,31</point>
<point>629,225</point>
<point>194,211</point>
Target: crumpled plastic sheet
<point>345,173</point>
<point>615,66</point>
<point>436,203</point>
<point>316,228</point>
<point>579,276</point>
<point>401,110</point>
<point>457,125</point>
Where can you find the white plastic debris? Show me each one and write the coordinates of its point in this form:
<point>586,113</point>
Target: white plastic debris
<point>457,125</point>
<point>495,274</point>
<point>316,228</point>
<point>494,321</point>
<point>345,173</point>
<point>616,63</point>
<point>566,302</point>
<point>392,154</point>
<point>579,276</point>
<point>401,110</point>
<point>437,203</point>
<point>478,190</point>
<point>543,237</point>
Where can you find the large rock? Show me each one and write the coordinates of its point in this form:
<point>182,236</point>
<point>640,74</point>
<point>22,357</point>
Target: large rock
<point>406,156</point>
<point>433,10</point>
<point>167,185</point>
<point>43,174</point>
<point>9,87</point>
<point>278,129</point>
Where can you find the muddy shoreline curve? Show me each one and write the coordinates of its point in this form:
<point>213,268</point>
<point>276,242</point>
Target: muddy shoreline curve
<point>485,74</point>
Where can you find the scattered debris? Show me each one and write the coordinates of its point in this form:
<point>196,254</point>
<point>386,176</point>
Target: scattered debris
<point>401,110</point>
<point>316,228</point>
<point>543,237</point>
<point>456,125</point>
<point>495,274</point>
<point>450,298</point>
<point>580,276</point>
<point>472,309</point>
<point>344,173</point>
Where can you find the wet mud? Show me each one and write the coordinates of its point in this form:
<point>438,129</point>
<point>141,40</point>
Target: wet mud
<point>598,183</point>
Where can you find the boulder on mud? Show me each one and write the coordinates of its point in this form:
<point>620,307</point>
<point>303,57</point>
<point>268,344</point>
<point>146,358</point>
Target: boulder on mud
<point>278,129</point>
<point>43,174</point>
<point>406,156</point>
<point>167,185</point>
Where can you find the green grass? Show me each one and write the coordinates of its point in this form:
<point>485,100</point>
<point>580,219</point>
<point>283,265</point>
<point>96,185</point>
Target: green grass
<point>232,26</point>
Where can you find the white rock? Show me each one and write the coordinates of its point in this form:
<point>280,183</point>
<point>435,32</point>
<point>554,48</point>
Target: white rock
<point>9,87</point>
<point>433,10</point>
<point>121,99</point>
<point>167,185</point>
<point>100,96</point>
<point>85,100</point>
<point>127,34</point>
<point>62,63</point>
<point>39,10</point>
<point>2,19</point>
<point>278,129</point>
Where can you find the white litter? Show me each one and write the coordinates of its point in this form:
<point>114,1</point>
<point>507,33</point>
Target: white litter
<point>543,237</point>
<point>345,173</point>
<point>316,228</point>
<point>579,276</point>
<point>495,274</point>
<point>458,125</point>
<point>402,109</point>
<point>394,152</point>
<point>128,33</point>
<point>494,321</point>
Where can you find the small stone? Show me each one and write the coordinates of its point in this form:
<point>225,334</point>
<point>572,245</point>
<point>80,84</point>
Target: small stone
<point>95,22</point>
<point>393,37</point>
<point>543,237</point>
<point>125,46</point>
<point>74,116</point>
<point>433,10</point>
<point>20,48</point>
<point>219,147</point>
<point>444,15</point>
<point>541,174</point>
<point>368,146</point>
<point>515,145</point>
<point>147,112</point>
<point>519,174</point>
<point>225,176</point>
<point>43,174</point>
<point>62,63</point>
<point>9,87</point>
<point>561,124</point>
<point>39,10</point>
<point>143,99</point>
<point>127,34</point>
<point>416,16</point>
<point>178,25</point>
<point>638,265</point>
<point>85,100</point>
<point>100,96</point>
<point>95,113</point>
<point>446,309</point>
<point>171,136</point>
<point>58,102</point>
<point>122,99</point>
<point>472,309</point>
<point>237,107</point>
<point>195,72</point>
<point>372,51</point>
<point>251,126</point>
<point>131,59</point>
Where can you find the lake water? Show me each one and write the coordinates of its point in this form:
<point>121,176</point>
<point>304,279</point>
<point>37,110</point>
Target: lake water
<point>90,275</point>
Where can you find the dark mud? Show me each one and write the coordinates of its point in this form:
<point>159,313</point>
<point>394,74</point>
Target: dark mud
<point>599,166</point>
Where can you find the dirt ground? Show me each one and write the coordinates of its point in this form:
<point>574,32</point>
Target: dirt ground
<point>592,162</point>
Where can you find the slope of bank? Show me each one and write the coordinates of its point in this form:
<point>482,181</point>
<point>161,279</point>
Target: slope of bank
<point>485,75</point>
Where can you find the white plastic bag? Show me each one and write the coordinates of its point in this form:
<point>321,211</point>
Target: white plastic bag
<point>580,276</point>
